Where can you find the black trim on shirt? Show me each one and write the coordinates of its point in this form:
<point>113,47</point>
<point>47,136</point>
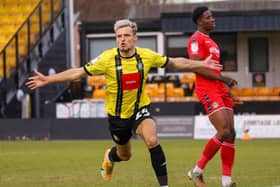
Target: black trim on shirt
<point>164,65</point>
<point>87,71</point>
<point>140,67</point>
<point>119,80</point>
<point>124,56</point>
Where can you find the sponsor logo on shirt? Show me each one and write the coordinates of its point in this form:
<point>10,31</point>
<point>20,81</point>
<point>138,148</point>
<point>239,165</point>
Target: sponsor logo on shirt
<point>215,51</point>
<point>130,81</point>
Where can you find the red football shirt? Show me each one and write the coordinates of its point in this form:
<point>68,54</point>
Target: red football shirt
<point>201,45</point>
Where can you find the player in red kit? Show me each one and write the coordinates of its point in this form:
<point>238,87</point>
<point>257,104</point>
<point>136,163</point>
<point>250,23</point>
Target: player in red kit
<point>216,99</point>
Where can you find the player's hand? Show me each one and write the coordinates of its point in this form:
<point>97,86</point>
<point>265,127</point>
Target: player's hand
<point>229,81</point>
<point>36,81</point>
<point>212,64</point>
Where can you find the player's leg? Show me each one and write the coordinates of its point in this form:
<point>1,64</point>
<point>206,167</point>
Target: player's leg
<point>228,151</point>
<point>120,130</point>
<point>213,105</point>
<point>209,151</point>
<point>224,123</point>
<point>115,154</point>
<point>147,131</point>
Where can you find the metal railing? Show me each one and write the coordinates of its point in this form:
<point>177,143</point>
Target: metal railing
<point>27,46</point>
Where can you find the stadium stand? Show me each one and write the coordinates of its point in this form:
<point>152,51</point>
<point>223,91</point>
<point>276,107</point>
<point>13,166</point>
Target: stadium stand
<point>235,91</point>
<point>275,91</point>
<point>13,16</point>
<point>99,93</point>
<point>174,79</point>
<point>175,92</point>
<point>152,89</point>
<point>248,91</point>
<point>167,86</point>
<point>188,83</point>
<point>188,78</point>
<point>263,91</point>
<point>157,79</point>
<point>97,86</point>
<point>26,34</point>
<point>95,82</point>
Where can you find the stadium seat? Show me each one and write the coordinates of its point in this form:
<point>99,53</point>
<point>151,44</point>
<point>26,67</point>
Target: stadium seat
<point>263,91</point>
<point>151,89</point>
<point>158,79</point>
<point>57,6</point>
<point>167,86</point>
<point>174,79</point>
<point>247,91</point>
<point>178,92</point>
<point>275,91</point>
<point>235,91</point>
<point>188,79</point>
<point>99,94</point>
<point>96,81</point>
<point>194,94</point>
<point>151,86</point>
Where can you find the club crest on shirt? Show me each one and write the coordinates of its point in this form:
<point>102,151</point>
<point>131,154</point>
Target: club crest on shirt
<point>215,105</point>
<point>194,47</point>
<point>90,63</point>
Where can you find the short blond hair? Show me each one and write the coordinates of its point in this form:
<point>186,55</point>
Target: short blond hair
<point>125,23</point>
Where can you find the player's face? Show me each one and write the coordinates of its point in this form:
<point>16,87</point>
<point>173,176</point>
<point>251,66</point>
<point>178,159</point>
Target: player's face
<point>125,39</point>
<point>207,21</point>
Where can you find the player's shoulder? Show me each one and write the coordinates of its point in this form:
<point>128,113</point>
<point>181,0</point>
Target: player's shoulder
<point>198,36</point>
<point>109,52</point>
<point>146,52</point>
<point>143,50</point>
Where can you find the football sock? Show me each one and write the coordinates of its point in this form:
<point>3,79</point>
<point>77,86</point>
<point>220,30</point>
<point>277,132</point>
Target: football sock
<point>113,157</point>
<point>159,164</point>
<point>227,156</point>
<point>226,180</point>
<point>210,149</point>
<point>196,169</point>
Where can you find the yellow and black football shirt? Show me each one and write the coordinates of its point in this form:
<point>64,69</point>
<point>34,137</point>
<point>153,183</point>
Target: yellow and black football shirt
<point>125,78</point>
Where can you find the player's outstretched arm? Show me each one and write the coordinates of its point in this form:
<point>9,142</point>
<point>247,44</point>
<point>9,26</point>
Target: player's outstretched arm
<point>40,80</point>
<point>184,64</point>
<point>202,67</point>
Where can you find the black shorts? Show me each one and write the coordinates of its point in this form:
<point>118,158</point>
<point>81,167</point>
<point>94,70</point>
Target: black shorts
<point>122,129</point>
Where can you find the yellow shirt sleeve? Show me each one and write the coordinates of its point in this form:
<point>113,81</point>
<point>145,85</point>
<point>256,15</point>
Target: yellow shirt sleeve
<point>97,66</point>
<point>158,59</point>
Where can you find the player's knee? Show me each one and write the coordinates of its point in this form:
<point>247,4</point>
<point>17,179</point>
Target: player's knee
<point>152,141</point>
<point>228,135</point>
<point>232,134</point>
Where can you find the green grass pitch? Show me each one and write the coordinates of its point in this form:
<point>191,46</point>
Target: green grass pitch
<point>77,164</point>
